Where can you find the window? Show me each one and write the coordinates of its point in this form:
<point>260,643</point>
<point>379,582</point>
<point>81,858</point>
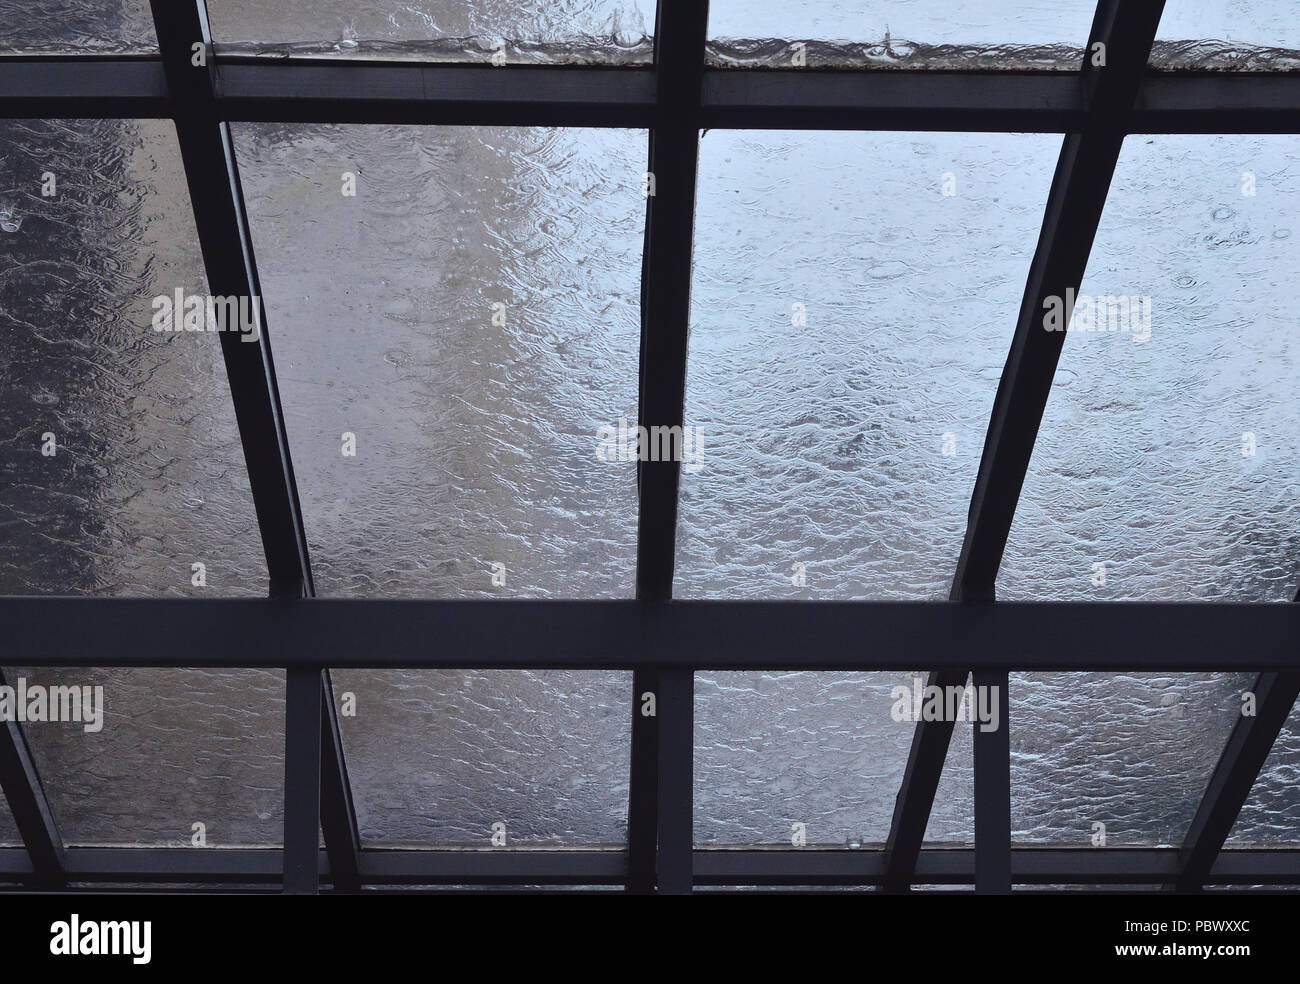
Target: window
<point>640,424</point>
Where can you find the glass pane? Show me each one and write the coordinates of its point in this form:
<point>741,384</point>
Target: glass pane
<point>8,830</point>
<point>1237,35</point>
<point>1131,752</point>
<point>534,31</point>
<point>439,757</point>
<point>162,751</point>
<point>824,750</point>
<point>146,479</point>
<point>122,462</point>
<point>1164,468</point>
<point>83,27</point>
<point>875,34</point>
<point>1271,814</point>
<point>471,317</point>
<point>842,363</point>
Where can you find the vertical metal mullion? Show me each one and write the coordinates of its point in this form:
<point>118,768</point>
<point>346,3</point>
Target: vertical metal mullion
<point>661,745</point>
<point>992,787</point>
<point>302,780</point>
<point>676,786</point>
<point>643,785</point>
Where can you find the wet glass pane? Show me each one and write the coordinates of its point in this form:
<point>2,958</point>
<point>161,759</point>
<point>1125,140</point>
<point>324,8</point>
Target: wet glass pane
<point>1124,757</point>
<point>824,750</point>
<point>1164,468</point>
<point>1233,35</point>
<point>1271,814</point>
<point>602,32</point>
<point>877,34</point>
<point>449,342</point>
<point>83,27</point>
<point>143,479</point>
<point>8,830</point>
<point>441,757</point>
<point>471,317</point>
<point>843,362</point>
<point>121,461</point>
<point>160,752</point>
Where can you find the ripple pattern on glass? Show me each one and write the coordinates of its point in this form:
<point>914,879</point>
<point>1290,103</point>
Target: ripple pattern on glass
<point>147,475</point>
<point>1271,814</point>
<point>849,325</point>
<point>476,439</point>
<point>1164,468</point>
<point>438,757</point>
<point>613,32</point>
<point>821,749</point>
<point>883,34</point>
<point>178,748</point>
<point>83,27</point>
<point>8,829</point>
<point>1130,751</point>
<point>148,478</point>
<point>1228,35</point>
<point>472,317</point>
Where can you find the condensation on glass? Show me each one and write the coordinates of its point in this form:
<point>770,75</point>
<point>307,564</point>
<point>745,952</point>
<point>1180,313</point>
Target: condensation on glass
<point>1164,467</point>
<point>495,32</point>
<point>145,479</point>
<point>1115,760</point>
<point>1228,35</point>
<point>1271,814</point>
<point>845,353</point>
<point>82,27</point>
<point>817,757</point>
<point>884,34</point>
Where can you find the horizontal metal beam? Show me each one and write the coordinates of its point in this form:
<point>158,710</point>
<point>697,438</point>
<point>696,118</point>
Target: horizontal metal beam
<point>956,866</point>
<point>704,635</point>
<point>447,94</point>
<point>889,100</point>
<point>486,867</point>
<point>83,88</point>
<point>712,866</point>
<point>363,92</point>
<point>1217,102</point>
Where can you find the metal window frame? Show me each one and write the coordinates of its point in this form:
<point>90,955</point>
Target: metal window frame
<point>666,641</point>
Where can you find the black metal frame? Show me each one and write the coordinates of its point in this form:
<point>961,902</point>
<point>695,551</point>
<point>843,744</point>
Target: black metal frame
<point>666,641</point>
